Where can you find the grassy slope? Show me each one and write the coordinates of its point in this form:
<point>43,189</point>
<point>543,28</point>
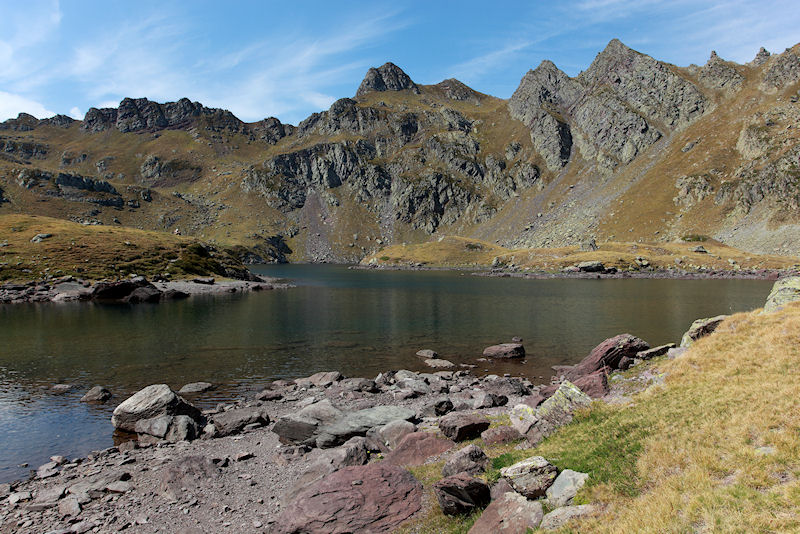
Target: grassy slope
<point>461,252</point>
<point>96,252</point>
<point>682,456</point>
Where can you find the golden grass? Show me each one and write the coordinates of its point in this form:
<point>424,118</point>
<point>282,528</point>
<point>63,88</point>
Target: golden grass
<point>453,251</point>
<point>96,252</point>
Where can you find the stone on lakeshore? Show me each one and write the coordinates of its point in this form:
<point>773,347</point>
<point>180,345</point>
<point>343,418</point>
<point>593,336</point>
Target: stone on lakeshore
<point>531,477</point>
<point>69,507</point>
<point>504,350</point>
<point>268,395</point>
<point>204,281</point>
<point>323,411</point>
<point>357,423</point>
<point>321,379</point>
<point>595,385</point>
<point>427,354</point>
<point>437,363</point>
<point>483,399</point>
<point>655,351</point>
<point>152,401</point>
<point>393,433</point>
<point>19,496</point>
<point>294,430</point>
<point>606,354</point>
<point>234,421</point>
<point>196,387</point>
<point>168,427</point>
<point>558,410</point>
<point>359,384</point>
<point>118,290</point>
<point>186,474</point>
<point>461,494</point>
<point>174,294</point>
<point>784,291</point>
<point>500,434</point>
<point>565,487</point>
<point>372,498</point>
<point>461,426</point>
<point>417,447</point>
<point>143,294</point>
<point>436,408</point>
<point>591,267</point>
<point>559,517</point>
<point>354,452</point>
<point>701,328</point>
<point>470,459</point>
<point>96,394</point>
<point>50,469</point>
<point>511,513</point>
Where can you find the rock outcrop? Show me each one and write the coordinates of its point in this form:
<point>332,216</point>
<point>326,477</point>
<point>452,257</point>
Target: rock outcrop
<point>387,77</point>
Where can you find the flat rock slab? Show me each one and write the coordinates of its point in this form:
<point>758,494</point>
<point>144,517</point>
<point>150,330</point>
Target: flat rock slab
<point>559,517</point>
<point>196,387</point>
<point>359,422</point>
<point>655,351</point>
<point>417,447</point>
<point>565,487</point>
<point>461,426</point>
<point>531,477</point>
<point>372,498</point>
<point>510,514</point>
<point>500,434</point>
<point>504,350</point>
<point>234,421</point>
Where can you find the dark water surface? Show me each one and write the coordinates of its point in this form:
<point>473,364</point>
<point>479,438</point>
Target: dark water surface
<point>357,322</point>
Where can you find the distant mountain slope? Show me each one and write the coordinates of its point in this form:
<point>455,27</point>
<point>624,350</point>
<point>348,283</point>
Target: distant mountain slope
<point>631,149</point>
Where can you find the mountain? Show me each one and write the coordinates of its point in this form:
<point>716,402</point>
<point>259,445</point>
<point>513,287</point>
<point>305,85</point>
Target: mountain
<point>631,149</point>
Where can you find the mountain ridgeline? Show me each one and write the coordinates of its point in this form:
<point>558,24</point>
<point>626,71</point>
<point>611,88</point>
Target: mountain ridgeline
<point>631,149</point>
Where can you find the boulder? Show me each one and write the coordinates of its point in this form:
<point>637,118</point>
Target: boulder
<point>461,494</point>
<point>143,294</point>
<point>500,488</point>
<point>358,423</point>
<point>565,487</point>
<point>359,384</point>
<point>606,354</point>
<point>483,399</point>
<point>153,401</point>
<point>536,424</point>
<point>234,421</point>
<point>436,408</point>
<point>417,447</point>
<point>393,433</point>
<point>531,477</point>
<point>437,363</point>
<point>470,459</point>
<point>268,395</point>
<point>427,354</point>
<point>701,328</point>
<point>655,352</point>
<point>372,498</point>
<point>196,387</point>
<point>354,452</point>
<point>323,411</point>
<point>511,513</point>
<point>504,350</point>
<point>96,394</point>
<point>559,517</point>
<point>783,291</point>
<point>595,385</point>
<point>322,379</point>
<point>591,267</point>
<point>167,427</point>
<point>501,385</point>
<point>500,434</point>
<point>118,290</point>
<point>461,426</point>
<point>295,430</point>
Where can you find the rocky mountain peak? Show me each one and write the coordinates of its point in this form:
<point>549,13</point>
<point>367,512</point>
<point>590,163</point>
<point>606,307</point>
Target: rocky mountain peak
<point>387,77</point>
<point>457,90</point>
<point>761,57</point>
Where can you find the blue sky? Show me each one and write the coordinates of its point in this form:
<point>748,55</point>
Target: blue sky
<point>289,59</point>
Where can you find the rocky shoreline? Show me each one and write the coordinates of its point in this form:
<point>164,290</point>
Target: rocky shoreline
<point>327,453</point>
<point>131,291</point>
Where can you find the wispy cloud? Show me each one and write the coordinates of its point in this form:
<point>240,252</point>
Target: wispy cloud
<point>11,105</point>
<point>496,59</point>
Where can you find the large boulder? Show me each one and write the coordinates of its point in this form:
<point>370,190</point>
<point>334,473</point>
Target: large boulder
<point>167,427</point>
<point>296,430</point>
<point>701,328</point>
<point>461,426</point>
<point>595,385</point>
<point>461,494</point>
<point>470,459</point>
<point>531,477</point>
<point>392,434</point>
<point>609,353</point>
<point>417,447</point>
<point>565,487</point>
<point>354,452</point>
<point>504,350</point>
<point>359,422</point>
<point>510,514</point>
<point>153,401</point>
<point>372,498</point>
<point>537,423</point>
<point>784,291</point>
<point>234,421</point>
<point>119,290</point>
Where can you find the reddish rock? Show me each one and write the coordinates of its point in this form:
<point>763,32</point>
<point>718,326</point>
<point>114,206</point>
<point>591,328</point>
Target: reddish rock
<point>504,350</point>
<point>595,385</point>
<point>607,354</point>
<point>500,434</point>
<point>471,460</point>
<point>461,493</point>
<point>370,498</point>
<point>536,399</point>
<point>500,488</point>
<point>417,447</point>
<point>461,426</point>
<point>510,514</point>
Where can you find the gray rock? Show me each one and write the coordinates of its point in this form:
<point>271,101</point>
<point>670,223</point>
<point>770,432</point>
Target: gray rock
<point>292,429</point>
<point>439,363</point>
<point>38,238</point>
<point>470,459</point>
<point>510,513</point>
<point>488,400</point>
<point>19,496</point>
<point>700,249</point>
<point>461,426</point>
<point>461,494</point>
<point>152,401</point>
<point>168,427</point>
<point>427,354</point>
<point>784,291</point>
<point>436,408</point>
<point>591,266</point>
<point>234,421</point>
<point>393,433</point>
<point>560,516</point>
<point>321,379</point>
<point>358,423</point>
<point>565,487</point>
<point>196,387</point>
<point>69,507</point>
<point>97,394</point>
<point>701,328</point>
<point>387,77</point>
<point>655,351</point>
<point>537,423</point>
<point>531,477</point>
<point>504,350</point>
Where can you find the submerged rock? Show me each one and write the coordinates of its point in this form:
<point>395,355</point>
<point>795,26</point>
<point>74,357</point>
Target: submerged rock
<point>504,350</point>
<point>96,394</point>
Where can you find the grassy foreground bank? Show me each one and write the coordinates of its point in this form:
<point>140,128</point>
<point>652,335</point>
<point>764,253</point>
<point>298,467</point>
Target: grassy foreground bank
<point>715,448</point>
<point>96,252</point>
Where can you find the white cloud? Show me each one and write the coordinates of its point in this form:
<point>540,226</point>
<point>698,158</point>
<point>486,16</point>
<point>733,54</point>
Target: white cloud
<point>11,105</point>
<point>76,113</point>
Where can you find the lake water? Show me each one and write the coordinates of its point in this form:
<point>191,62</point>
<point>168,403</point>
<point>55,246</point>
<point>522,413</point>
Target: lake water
<point>355,321</point>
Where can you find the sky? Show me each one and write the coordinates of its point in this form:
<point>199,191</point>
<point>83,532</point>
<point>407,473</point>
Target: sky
<point>290,59</point>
